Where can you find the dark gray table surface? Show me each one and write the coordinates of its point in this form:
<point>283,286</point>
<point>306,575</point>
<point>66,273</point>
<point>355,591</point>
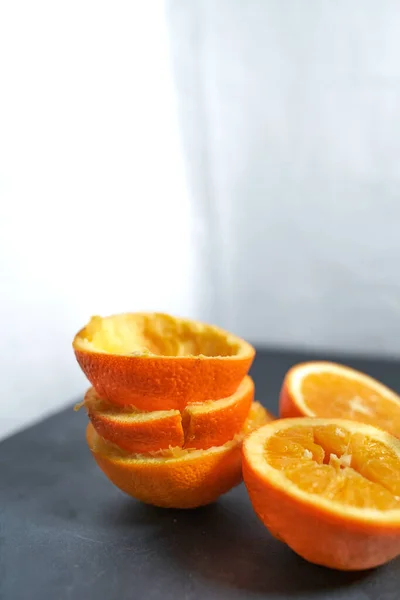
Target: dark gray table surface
<point>66,532</point>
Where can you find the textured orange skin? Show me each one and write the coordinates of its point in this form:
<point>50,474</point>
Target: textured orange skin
<point>162,383</point>
<point>315,534</point>
<point>133,435</point>
<point>214,426</point>
<point>188,482</point>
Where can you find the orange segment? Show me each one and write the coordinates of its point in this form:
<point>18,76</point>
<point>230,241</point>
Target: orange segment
<point>173,478</point>
<point>200,426</point>
<point>157,362</point>
<point>329,488</point>
<point>329,390</point>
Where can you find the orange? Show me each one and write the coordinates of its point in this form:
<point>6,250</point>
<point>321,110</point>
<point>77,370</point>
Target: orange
<point>173,478</point>
<point>323,389</point>
<point>157,362</point>
<point>199,426</point>
<point>329,488</point>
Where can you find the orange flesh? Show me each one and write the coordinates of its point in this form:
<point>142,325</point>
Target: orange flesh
<point>328,461</point>
<point>142,334</point>
<point>333,395</point>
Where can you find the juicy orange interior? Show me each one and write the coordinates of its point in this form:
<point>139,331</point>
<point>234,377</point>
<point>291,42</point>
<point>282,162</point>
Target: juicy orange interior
<point>349,468</point>
<point>144,334</point>
<point>333,395</point>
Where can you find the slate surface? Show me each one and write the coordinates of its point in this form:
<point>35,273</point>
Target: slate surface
<point>67,533</point>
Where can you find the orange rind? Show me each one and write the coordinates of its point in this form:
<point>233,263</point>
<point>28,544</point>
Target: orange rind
<point>157,362</point>
<point>199,426</point>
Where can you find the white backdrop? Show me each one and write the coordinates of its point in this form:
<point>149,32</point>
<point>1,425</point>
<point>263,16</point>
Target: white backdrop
<point>291,115</point>
<point>95,215</point>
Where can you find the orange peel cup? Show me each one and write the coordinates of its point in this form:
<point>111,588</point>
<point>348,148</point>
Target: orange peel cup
<point>175,478</point>
<point>154,362</point>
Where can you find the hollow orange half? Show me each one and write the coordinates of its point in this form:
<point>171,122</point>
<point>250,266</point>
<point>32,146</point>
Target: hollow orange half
<point>157,362</point>
<point>199,426</point>
<point>173,478</point>
<point>329,488</point>
<point>323,389</point>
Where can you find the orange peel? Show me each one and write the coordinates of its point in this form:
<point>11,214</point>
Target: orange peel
<point>199,426</point>
<point>157,362</point>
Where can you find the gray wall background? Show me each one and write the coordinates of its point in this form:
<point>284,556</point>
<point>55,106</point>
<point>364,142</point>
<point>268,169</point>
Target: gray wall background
<point>290,115</point>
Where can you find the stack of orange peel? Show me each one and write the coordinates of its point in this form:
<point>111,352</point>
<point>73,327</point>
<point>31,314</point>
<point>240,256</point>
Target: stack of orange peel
<point>172,404</point>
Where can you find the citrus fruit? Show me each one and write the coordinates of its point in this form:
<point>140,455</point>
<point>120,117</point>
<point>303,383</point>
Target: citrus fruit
<point>173,478</point>
<point>329,488</point>
<point>157,362</point>
<point>324,389</point>
<point>202,425</point>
